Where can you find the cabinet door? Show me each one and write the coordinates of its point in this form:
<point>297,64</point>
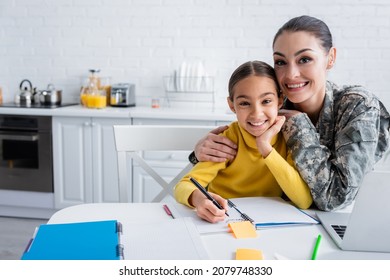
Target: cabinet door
<point>104,160</point>
<point>72,154</point>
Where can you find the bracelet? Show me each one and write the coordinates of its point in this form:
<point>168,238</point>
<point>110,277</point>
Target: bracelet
<point>192,158</point>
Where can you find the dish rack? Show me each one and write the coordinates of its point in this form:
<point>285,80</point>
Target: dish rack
<point>189,89</point>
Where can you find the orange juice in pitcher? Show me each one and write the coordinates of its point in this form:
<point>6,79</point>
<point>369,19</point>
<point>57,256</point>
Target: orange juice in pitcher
<point>90,95</point>
<point>101,99</point>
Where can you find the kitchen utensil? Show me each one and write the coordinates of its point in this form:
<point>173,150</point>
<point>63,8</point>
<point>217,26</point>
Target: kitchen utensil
<point>123,95</point>
<point>50,96</point>
<point>90,95</point>
<point>27,93</point>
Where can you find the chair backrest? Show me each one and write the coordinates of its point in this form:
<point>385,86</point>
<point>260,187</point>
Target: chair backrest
<point>132,139</point>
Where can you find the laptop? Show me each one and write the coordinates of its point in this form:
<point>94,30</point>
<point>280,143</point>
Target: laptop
<point>367,227</point>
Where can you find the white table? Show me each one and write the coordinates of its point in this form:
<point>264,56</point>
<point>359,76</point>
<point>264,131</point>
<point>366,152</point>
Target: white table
<point>294,242</point>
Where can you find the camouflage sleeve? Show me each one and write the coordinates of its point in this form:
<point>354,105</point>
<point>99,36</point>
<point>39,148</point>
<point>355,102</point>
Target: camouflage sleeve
<point>334,173</point>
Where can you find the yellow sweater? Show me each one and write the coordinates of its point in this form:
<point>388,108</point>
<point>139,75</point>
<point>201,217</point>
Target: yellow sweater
<point>249,174</point>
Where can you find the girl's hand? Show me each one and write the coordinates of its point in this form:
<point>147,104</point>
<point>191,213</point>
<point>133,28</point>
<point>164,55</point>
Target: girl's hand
<point>206,209</point>
<point>264,141</point>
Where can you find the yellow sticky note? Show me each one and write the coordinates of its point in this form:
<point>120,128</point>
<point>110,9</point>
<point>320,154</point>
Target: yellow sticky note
<point>248,254</point>
<point>243,229</point>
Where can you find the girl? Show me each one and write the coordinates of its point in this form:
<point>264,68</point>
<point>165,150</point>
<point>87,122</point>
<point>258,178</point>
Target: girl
<point>263,165</point>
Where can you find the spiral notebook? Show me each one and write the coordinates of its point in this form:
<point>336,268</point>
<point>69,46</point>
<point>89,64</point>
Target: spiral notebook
<point>262,212</point>
<point>99,240</point>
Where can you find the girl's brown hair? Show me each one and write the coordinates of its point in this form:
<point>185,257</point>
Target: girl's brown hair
<point>252,68</point>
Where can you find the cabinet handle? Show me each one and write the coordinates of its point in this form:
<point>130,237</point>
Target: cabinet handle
<point>89,124</point>
<point>19,136</point>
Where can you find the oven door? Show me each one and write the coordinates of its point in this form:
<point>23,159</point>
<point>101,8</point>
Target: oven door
<point>26,161</point>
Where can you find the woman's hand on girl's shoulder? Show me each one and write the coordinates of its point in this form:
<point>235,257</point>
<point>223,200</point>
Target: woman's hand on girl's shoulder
<point>214,147</point>
<point>288,113</point>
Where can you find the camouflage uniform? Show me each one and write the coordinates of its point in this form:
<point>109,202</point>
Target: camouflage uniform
<point>351,135</point>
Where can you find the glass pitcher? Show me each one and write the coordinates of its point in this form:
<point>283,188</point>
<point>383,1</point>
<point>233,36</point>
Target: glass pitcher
<point>92,95</point>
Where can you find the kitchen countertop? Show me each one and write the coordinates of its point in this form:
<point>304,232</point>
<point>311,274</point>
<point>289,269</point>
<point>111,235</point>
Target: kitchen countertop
<point>182,113</point>
<point>69,111</point>
<point>126,112</point>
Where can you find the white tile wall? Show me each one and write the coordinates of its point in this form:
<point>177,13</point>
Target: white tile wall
<point>140,41</point>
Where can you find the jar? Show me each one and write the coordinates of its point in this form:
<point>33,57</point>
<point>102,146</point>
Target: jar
<point>92,94</point>
<point>105,84</point>
<point>155,102</point>
<point>98,100</point>
<point>84,96</point>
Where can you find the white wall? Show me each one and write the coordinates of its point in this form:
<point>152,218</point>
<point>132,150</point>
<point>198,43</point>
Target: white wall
<point>141,41</point>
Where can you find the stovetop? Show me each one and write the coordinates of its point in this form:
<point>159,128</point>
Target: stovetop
<point>35,105</point>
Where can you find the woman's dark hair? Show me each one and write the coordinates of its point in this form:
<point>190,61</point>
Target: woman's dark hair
<point>316,27</point>
<point>252,68</point>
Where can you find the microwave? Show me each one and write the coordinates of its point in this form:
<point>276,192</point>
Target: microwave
<point>122,95</point>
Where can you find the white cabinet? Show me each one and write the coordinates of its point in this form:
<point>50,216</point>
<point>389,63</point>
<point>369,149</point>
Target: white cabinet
<point>167,164</point>
<point>85,161</point>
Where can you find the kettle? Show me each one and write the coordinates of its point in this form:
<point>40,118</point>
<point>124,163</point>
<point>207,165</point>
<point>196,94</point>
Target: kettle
<point>50,97</point>
<point>26,95</point>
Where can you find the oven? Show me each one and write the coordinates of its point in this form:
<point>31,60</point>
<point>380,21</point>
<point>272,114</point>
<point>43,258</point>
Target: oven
<point>26,160</point>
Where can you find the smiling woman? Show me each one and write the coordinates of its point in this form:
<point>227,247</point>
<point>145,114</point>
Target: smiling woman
<point>301,70</point>
<point>336,134</point>
<point>352,124</point>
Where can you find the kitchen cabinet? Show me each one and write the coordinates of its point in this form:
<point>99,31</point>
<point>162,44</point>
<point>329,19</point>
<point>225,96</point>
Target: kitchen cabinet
<point>167,164</point>
<point>85,160</point>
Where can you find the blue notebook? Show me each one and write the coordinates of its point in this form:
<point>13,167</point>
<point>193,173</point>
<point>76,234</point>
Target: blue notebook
<point>98,240</point>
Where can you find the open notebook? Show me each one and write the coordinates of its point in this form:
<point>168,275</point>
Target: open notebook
<point>263,212</point>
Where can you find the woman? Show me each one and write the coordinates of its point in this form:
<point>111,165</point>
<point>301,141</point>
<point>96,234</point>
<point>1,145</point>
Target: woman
<point>336,133</point>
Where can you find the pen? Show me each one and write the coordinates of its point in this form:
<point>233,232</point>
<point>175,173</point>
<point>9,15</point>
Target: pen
<point>314,255</point>
<point>209,197</point>
<point>168,211</point>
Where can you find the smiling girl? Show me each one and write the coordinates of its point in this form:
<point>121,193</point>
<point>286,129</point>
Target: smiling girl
<point>263,165</point>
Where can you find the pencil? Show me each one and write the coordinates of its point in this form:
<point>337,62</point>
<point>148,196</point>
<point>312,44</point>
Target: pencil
<point>315,250</point>
<point>168,211</point>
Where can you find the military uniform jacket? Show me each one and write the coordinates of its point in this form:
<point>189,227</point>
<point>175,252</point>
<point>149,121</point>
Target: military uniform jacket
<point>332,156</point>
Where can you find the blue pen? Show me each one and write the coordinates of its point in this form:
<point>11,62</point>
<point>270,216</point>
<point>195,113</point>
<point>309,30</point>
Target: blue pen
<point>209,197</point>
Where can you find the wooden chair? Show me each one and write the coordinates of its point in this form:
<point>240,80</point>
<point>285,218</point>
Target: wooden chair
<point>131,140</point>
